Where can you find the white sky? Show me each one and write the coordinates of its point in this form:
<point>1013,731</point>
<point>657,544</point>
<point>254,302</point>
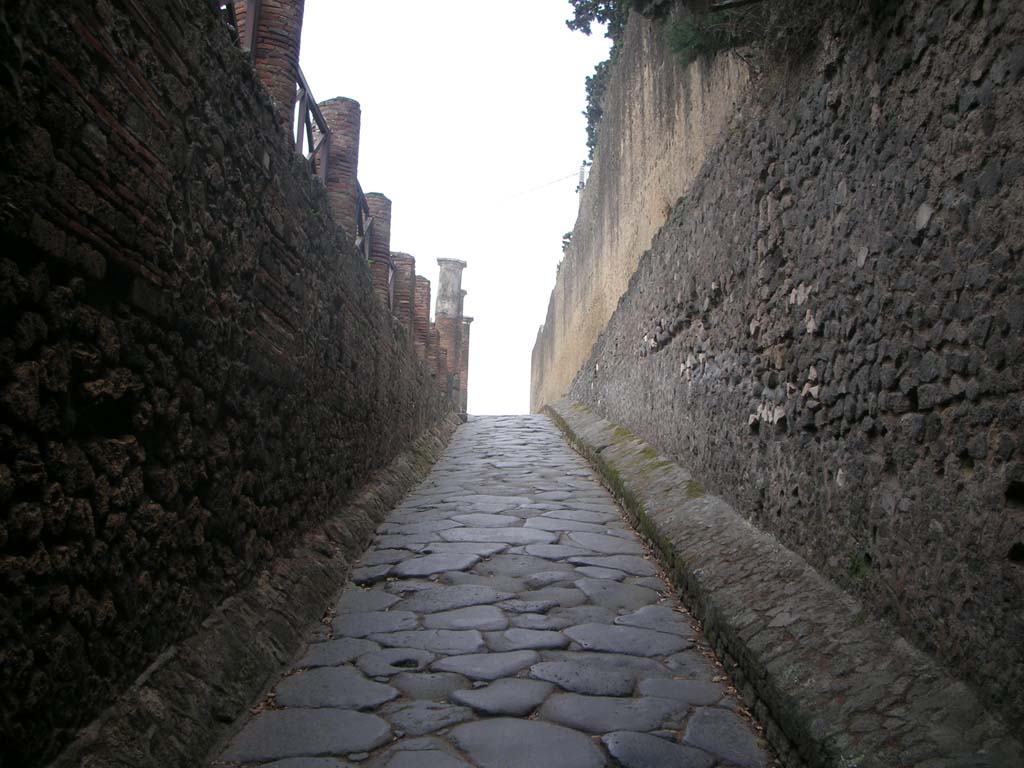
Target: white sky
<point>469,109</point>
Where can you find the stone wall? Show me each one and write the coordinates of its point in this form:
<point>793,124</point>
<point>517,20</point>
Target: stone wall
<point>194,367</point>
<point>827,329</point>
<point>659,121</point>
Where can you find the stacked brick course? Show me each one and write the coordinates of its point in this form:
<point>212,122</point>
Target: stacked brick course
<point>343,117</point>
<point>405,289</point>
<point>421,317</point>
<point>380,245</point>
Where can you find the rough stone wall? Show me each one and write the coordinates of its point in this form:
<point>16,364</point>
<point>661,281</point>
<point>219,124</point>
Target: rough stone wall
<point>659,121</point>
<point>193,366</point>
<point>828,327</point>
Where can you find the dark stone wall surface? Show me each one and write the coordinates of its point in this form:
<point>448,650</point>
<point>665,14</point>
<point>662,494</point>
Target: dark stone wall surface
<point>828,329</point>
<point>193,365</point>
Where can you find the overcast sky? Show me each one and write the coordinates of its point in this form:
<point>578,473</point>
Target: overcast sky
<point>471,122</point>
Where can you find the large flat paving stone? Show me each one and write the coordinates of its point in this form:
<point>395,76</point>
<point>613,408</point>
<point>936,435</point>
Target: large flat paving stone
<point>509,743</point>
<point>481,520</point>
<point>583,678</point>
<point>482,617</point>
<point>603,714</point>
<point>616,596</point>
<point>634,565</point>
<point>554,524</point>
<point>508,696</point>
<point>422,526</point>
<point>281,733</point>
<point>340,687</point>
<point>306,762</point>
<point>725,734</point>
<point>335,652</point>
<point>633,641</point>
<point>435,599</point>
<point>487,666</point>
<point>482,548</point>
<point>356,600</point>
<point>599,542</point>
<point>447,641</point>
<point>691,692</point>
<point>554,551</point>
<point>642,750</point>
<point>582,516</point>
<point>660,618</point>
<point>502,535</point>
<point>419,717</point>
<point>424,752</point>
<point>363,624</point>
<point>428,565</point>
<point>519,639</point>
<point>432,686</point>
<point>385,556</point>
<point>392,661</point>
<point>518,566</point>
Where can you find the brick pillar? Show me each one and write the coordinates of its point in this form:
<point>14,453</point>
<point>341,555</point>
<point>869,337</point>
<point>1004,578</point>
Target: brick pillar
<point>448,319</point>
<point>380,246</point>
<point>421,317</point>
<point>432,347</point>
<point>343,117</point>
<point>275,51</point>
<point>443,376</point>
<point>405,290</point>
<point>464,366</point>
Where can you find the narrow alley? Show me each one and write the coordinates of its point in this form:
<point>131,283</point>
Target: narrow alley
<point>505,617</point>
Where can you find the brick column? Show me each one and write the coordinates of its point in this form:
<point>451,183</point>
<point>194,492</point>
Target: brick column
<point>405,290</point>
<point>343,117</point>
<point>421,317</point>
<point>275,51</point>
<point>380,246</point>
<point>448,318</point>
<point>464,366</point>
<point>443,375</point>
<point>432,347</point>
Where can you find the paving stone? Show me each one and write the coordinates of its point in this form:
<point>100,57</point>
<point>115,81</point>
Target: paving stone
<point>413,542</point>
<point>593,572</point>
<point>691,664</point>
<point>420,758</point>
<point>582,516</point>
<point>385,556</point>
<point>725,734</point>
<point>340,687</point>
<point>661,618</point>
<point>428,565</point>
<point>447,641</point>
<point>580,677</point>
<point>436,599</point>
<point>335,652</point>
<point>482,548</point>
<point>565,597</point>
<point>554,524</point>
<point>370,574</point>
<point>650,582</point>
<point>602,714</point>
<point>696,692</point>
<point>633,641</point>
<point>600,542</point>
<point>518,639</point>
<point>508,696</point>
<point>479,520</point>
<point>545,578</point>
<point>631,564</point>
<point>391,661</point>
<point>307,762</point>
<point>540,621</point>
<point>642,750</point>
<point>481,617</point>
<point>554,551</point>
<point>500,583</point>
<point>418,717</point>
<point>487,666</point>
<point>280,733</point>
<point>429,685</point>
<point>518,566</point>
<point>527,606</point>
<point>503,535</point>
<point>508,743</point>
<point>422,526</point>
<point>363,624</point>
<point>616,596</point>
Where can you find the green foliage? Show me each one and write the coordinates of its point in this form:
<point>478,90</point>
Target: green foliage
<point>614,13</point>
<point>597,85</point>
<point>566,239</point>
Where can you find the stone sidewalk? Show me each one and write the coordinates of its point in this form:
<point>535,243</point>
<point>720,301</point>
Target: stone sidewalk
<point>505,617</point>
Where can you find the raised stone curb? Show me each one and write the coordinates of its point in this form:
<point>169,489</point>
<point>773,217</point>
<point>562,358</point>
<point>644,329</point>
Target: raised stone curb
<point>187,700</point>
<point>834,686</point>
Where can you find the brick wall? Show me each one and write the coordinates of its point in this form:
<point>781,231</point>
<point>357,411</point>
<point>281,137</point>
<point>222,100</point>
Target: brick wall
<point>193,365</point>
<point>827,330</point>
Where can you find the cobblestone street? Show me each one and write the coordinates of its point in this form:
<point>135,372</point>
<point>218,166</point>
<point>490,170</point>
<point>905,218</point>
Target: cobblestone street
<point>505,617</point>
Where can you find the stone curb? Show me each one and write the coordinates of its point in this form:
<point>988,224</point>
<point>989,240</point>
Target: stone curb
<point>188,699</point>
<point>833,686</point>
